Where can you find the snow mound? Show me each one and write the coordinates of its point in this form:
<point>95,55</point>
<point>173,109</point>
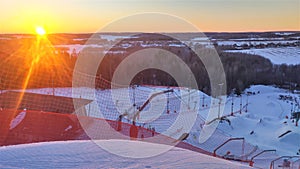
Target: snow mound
<point>267,117</point>
<point>292,138</point>
<point>86,154</point>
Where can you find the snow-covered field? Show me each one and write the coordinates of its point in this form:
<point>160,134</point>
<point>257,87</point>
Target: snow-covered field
<point>288,55</point>
<point>77,47</point>
<point>280,55</point>
<point>86,154</point>
<point>242,42</point>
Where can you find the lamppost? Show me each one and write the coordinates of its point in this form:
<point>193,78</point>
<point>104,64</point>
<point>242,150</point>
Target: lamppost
<point>133,88</point>
<point>247,103</point>
<point>220,99</point>
<point>232,104</point>
<point>241,103</point>
<point>203,100</point>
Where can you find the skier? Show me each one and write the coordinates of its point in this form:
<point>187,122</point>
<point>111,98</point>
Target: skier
<point>119,124</point>
<point>227,155</point>
<point>153,131</point>
<point>286,164</point>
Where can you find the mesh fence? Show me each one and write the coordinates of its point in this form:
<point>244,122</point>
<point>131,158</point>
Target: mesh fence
<point>57,126</point>
<point>44,111</point>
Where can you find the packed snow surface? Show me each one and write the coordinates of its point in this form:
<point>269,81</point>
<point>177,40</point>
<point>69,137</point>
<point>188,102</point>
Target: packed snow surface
<point>87,154</point>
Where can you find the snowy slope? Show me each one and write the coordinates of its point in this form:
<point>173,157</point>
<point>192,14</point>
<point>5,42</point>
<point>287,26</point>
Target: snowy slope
<point>86,154</point>
<point>265,116</point>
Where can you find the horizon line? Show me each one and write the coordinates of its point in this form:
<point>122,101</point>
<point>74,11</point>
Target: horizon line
<point>174,32</point>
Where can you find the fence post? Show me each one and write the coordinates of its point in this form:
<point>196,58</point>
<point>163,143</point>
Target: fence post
<point>272,162</point>
<point>251,160</point>
<point>231,139</point>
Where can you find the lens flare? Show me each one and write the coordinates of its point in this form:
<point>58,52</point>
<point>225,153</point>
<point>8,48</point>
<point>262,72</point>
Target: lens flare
<point>40,31</point>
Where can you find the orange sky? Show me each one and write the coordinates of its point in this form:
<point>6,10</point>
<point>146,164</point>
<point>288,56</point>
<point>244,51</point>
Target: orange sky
<point>87,16</point>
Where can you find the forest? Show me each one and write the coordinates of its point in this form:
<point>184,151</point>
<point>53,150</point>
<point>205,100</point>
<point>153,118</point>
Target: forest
<point>54,68</point>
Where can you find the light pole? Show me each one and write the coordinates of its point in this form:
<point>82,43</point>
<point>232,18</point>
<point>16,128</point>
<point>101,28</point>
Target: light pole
<point>133,87</point>
<point>232,105</point>
<point>189,90</point>
<point>203,100</point>
<point>247,103</point>
<point>241,104</point>
<point>168,101</point>
<point>220,99</point>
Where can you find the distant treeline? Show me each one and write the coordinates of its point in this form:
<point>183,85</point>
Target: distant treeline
<point>21,65</point>
<point>243,70</point>
<point>55,69</point>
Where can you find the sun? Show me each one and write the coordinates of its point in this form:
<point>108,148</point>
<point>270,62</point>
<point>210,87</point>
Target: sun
<point>40,31</point>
